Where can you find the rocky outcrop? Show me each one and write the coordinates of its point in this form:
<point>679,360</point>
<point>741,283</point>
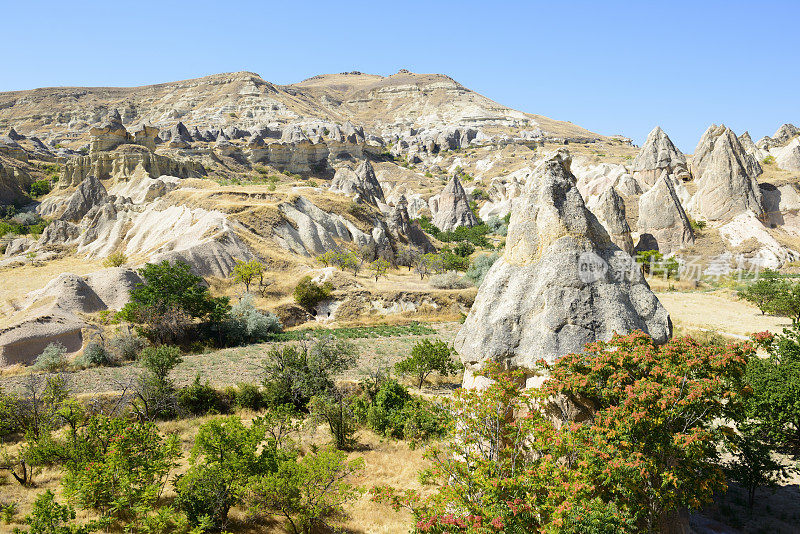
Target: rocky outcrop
<point>788,157</point>
<point>452,208</point>
<point>750,147</point>
<point>14,182</point>
<point>663,224</point>
<point>59,232</point>
<point>110,135</point>
<point>361,184</point>
<point>23,342</point>
<point>560,284</point>
<point>658,154</point>
<point>405,230</point>
<point>90,193</point>
<point>146,136</point>
<point>124,162</point>
<point>785,133</point>
<point>609,208</point>
<point>726,177</point>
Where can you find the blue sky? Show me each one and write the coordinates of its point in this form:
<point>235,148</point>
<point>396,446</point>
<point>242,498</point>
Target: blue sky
<point>610,67</point>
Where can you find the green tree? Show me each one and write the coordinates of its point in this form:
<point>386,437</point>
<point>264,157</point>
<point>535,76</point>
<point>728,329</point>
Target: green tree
<point>764,291</point>
<point>49,517</point>
<point>170,296</point>
<point>308,491</point>
<point>336,410</point>
<point>775,382</point>
<point>752,465</point>
<point>245,272</point>
<point>426,358</point>
<point>379,267</point>
<point>308,293</point>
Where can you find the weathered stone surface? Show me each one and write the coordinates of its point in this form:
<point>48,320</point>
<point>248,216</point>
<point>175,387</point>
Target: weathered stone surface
<point>110,135</point>
<point>788,157</point>
<point>751,148</point>
<point>785,133</point>
<point>609,208</point>
<point>453,208</point>
<point>146,136</point>
<point>663,224</point>
<point>361,184</point>
<point>23,342</point>
<point>403,229</point>
<point>540,300</point>
<point>59,232</point>
<point>90,193</point>
<point>726,177</point>
<point>658,154</point>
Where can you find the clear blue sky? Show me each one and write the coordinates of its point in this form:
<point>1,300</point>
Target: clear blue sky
<point>610,67</point>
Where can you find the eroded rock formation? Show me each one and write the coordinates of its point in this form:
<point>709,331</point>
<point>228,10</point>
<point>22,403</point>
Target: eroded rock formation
<point>452,209</point>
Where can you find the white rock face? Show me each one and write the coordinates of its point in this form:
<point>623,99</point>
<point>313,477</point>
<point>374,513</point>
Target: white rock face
<point>543,299</point>
<point>313,231</point>
<point>594,179</point>
<point>361,184</point>
<point>662,223</point>
<point>658,154</point>
<point>609,208</point>
<point>787,157</point>
<point>767,252</point>
<point>726,178</point>
<point>502,191</point>
<point>453,208</point>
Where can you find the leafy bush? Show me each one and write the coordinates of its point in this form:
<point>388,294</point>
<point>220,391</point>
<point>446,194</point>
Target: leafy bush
<point>248,396</point>
<point>49,517</point>
<point>453,262</point>
<point>308,294</point>
<point>246,324</point>
<point>40,188</point>
<point>426,358</point>
<point>202,399</point>
<point>94,354</point>
<point>497,226</point>
<point>127,345</point>
<point>336,410</point>
<point>120,468</point>
<point>115,259</point>
<point>205,495</point>
<point>52,358</point>
<point>295,374</point>
<point>169,298</point>
<point>463,249</point>
<point>26,218</point>
<point>479,267</point>
<point>768,160</point>
<point>397,414</point>
<point>449,280</point>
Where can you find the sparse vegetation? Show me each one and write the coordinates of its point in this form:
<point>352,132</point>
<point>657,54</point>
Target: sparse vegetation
<point>308,293</point>
<point>116,259</point>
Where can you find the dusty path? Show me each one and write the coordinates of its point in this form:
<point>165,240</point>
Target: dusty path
<point>719,311</point>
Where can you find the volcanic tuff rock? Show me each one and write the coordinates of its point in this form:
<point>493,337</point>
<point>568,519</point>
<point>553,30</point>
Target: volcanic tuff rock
<point>90,193</point>
<point>361,184</point>
<point>656,155</point>
<point>785,133</point>
<point>452,208</point>
<point>751,148</point>
<point>726,177</point>
<point>609,208</point>
<point>663,225</point>
<point>541,299</point>
<point>110,135</point>
<point>404,229</point>
<point>788,157</point>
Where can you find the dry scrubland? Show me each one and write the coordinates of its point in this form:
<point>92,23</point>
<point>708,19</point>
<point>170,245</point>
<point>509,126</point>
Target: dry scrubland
<point>397,462</point>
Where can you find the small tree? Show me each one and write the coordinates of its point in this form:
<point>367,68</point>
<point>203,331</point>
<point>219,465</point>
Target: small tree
<point>245,272</point>
<point>426,358</point>
<point>763,292</point>
<point>379,267</point>
<point>752,466</point>
<point>115,259</point>
<point>308,293</point>
<point>307,491</point>
<point>335,409</point>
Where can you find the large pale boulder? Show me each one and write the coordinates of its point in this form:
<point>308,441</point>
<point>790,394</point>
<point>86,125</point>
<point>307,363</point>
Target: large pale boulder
<point>110,135</point>
<point>609,208</point>
<point>726,177</point>
<point>663,224</point>
<point>560,284</point>
<point>90,193</point>
<point>658,154</point>
<point>361,184</point>
<point>452,208</point>
<point>788,157</point>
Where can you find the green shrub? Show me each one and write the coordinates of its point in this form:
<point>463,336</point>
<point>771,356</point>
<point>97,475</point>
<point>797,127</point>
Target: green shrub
<point>95,354</point>
<point>116,259</point>
<point>49,517</point>
<point>126,346</point>
<point>308,293</point>
<point>202,399</point>
<point>479,267</point>
<point>204,494</point>
<point>428,357</point>
<point>768,160</point>
<point>40,188</point>
<point>246,324</point>
<point>52,358</point>
<point>449,280</point>
<point>248,396</point>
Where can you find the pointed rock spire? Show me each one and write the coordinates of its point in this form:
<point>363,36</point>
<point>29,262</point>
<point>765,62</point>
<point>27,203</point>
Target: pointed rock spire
<point>726,177</point>
<point>560,284</point>
<point>609,208</point>
<point>663,224</point>
<point>453,208</point>
<point>656,155</point>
